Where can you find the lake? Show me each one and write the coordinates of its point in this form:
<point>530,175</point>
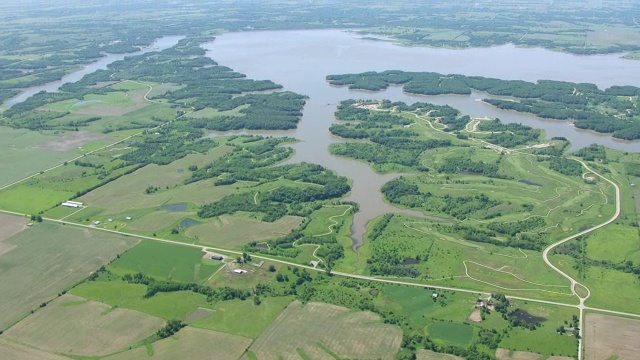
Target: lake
<point>300,60</point>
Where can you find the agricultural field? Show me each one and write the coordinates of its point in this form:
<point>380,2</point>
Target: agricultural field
<point>233,232</point>
<point>242,318</point>
<point>15,351</point>
<point>171,305</point>
<point>48,259</point>
<point>611,337</point>
<point>321,330</point>
<point>190,343</point>
<point>72,325</point>
<point>423,354</point>
<point>20,144</point>
<point>165,261</point>
<point>10,226</point>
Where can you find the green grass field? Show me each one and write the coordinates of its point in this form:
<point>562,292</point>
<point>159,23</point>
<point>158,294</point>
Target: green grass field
<point>314,327</point>
<point>173,305</point>
<point>190,343</point>
<point>166,261</point>
<point>72,326</point>
<point>232,232</point>
<point>48,259</point>
<point>451,333</point>
<point>243,318</point>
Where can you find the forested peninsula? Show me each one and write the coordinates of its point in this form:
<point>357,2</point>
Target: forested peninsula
<point>615,110</point>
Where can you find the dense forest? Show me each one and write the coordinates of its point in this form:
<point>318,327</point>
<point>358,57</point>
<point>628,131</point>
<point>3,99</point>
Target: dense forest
<point>615,110</point>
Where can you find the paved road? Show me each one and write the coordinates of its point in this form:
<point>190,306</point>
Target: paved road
<point>574,283</point>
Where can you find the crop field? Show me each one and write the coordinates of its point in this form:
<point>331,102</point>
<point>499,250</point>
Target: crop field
<point>10,226</point>
<point>611,337</point>
<point>504,354</point>
<point>131,188</point>
<point>20,144</point>
<point>172,305</point>
<point>11,350</point>
<point>234,231</point>
<point>48,259</point>
<point>71,325</point>
<point>315,327</point>
<point>423,354</point>
<point>190,343</point>
<point>243,318</point>
<point>166,261</point>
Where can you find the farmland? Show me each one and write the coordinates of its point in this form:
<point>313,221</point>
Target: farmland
<point>318,330</point>
<point>71,325</point>
<point>191,343</point>
<point>65,255</point>
<point>610,337</point>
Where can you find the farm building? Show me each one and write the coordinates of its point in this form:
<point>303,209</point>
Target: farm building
<point>239,271</point>
<point>217,257</point>
<point>71,204</point>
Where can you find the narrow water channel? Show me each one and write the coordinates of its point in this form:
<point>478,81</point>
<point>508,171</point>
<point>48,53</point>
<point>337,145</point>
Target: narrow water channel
<point>100,64</point>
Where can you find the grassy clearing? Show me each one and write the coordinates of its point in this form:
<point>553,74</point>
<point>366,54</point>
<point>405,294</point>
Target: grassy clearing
<point>602,283</point>
<point>166,261</point>
<point>173,305</point>
<point>346,333</point>
<point>210,112</point>
<point>244,318</point>
<point>611,337</point>
<point>451,333</point>
<point>616,243</point>
<point>544,340</point>
<point>83,328</point>
<point>235,231</point>
<point>191,343</point>
<point>11,350</point>
<point>447,255</point>
<point>253,276</point>
<point>48,259</point>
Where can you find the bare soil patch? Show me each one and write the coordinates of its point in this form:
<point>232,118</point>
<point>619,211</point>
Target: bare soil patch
<point>10,225</point>
<point>476,315</point>
<point>611,337</point>
<point>197,315</point>
<point>71,140</point>
<point>504,354</point>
